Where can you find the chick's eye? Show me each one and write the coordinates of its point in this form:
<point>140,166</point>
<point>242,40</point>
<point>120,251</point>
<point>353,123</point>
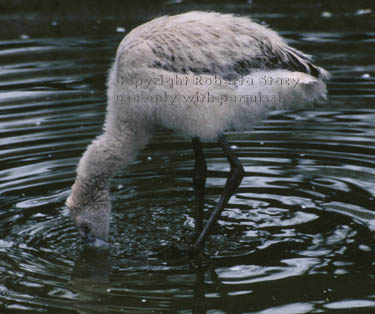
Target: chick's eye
<point>86,227</point>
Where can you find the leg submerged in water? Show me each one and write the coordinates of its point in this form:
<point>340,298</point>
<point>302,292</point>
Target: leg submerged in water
<point>233,182</point>
<point>199,182</point>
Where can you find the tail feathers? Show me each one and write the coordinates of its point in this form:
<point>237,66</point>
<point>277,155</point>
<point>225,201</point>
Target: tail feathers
<point>302,63</point>
<point>291,88</point>
<point>284,90</point>
<point>312,89</point>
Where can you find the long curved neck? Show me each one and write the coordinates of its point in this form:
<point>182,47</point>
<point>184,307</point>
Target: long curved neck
<point>103,158</point>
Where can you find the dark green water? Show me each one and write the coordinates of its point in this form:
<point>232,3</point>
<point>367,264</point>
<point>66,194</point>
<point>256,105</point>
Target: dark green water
<point>298,237</point>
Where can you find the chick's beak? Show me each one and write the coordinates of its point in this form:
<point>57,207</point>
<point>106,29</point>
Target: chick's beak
<point>95,242</point>
<point>89,239</point>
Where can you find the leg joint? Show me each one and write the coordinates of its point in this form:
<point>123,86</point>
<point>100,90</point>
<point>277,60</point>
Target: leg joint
<point>234,179</point>
<point>239,171</point>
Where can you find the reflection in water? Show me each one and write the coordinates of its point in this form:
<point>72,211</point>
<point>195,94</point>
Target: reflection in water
<point>90,281</point>
<point>298,237</point>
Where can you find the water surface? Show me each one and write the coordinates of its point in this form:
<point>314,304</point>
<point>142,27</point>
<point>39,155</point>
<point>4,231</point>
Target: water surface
<point>298,237</point>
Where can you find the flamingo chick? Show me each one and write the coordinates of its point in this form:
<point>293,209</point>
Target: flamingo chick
<point>198,74</point>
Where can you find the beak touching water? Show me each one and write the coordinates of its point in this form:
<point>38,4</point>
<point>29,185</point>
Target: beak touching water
<point>89,239</point>
<point>94,242</point>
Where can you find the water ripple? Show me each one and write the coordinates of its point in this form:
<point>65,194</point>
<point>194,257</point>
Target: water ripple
<point>297,236</point>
